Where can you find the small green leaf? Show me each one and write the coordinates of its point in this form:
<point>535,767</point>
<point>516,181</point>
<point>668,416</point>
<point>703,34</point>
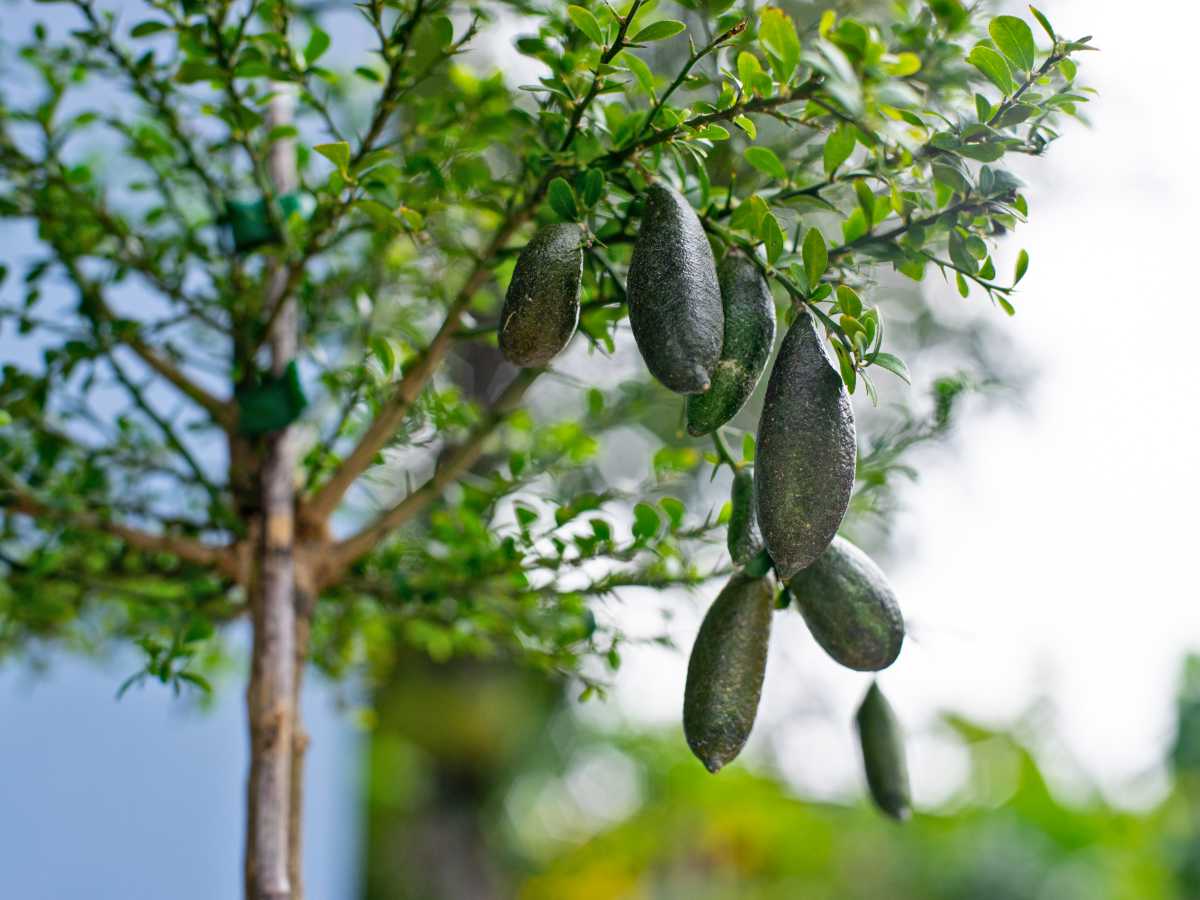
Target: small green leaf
<point>525,515</point>
<point>443,31</point>
<point>747,125</point>
<point>983,109</point>
<point>765,160</point>
<point>149,27</point>
<point>748,447</point>
<point>562,200</point>
<point>838,147</point>
<point>959,253</point>
<point>659,31</point>
<point>674,509</point>
<point>772,236</point>
<point>377,213</point>
<point>338,154</point>
<point>870,386</point>
<point>846,365</point>
<point>816,257</point>
<point>593,187</point>
<point>282,132</point>
<point>1044,22</point>
<point>854,227</point>
<point>646,522</point>
<point>1022,267</point>
<point>1015,40</point>
<point>777,32</point>
<point>848,301</point>
<point>964,289</point>
<point>893,364</point>
<point>866,200</point>
<point>993,66</point>
<point>748,68</point>
<point>982,152</point>
<point>385,353</point>
<point>318,43</point>
<point>586,23</point>
<point>906,64</point>
<point>640,71</point>
<point>192,71</point>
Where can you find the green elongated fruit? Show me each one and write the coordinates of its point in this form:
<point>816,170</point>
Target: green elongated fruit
<point>883,755</point>
<point>725,671</point>
<point>541,308</point>
<point>850,608</point>
<point>746,346</point>
<point>673,294</point>
<point>804,463</point>
<point>743,537</point>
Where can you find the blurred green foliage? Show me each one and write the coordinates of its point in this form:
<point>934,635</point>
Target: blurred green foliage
<point>1005,836</point>
<point>1003,833</point>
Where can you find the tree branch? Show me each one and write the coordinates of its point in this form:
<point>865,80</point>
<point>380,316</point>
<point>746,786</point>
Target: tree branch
<point>695,57</point>
<point>605,58</point>
<point>317,510</point>
<point>222,412</point>
<point>452,466</point>
<point>166,429</point>
<point>24,501</point>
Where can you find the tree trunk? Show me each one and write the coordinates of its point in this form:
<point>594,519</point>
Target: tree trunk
<point>271,698</point>
<point>305,600</point>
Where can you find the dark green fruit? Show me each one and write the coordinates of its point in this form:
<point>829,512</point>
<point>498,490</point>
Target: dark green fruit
<point>725,672</point>
<point>541,308</point>
<point>748,339</point>
<point>674,298</point>
<point>804,465</point>
<point>743,536</point>
<point>883,755</point>
<point>850,608</point>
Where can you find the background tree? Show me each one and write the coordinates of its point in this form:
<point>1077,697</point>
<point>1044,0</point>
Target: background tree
<point>225,228</point>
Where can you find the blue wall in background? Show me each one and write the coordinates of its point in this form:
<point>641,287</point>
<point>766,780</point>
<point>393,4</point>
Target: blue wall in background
<point>141,799</point>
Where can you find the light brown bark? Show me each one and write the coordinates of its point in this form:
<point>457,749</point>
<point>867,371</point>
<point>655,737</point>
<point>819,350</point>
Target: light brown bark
<point>271,697</point>
<point>305,600</point>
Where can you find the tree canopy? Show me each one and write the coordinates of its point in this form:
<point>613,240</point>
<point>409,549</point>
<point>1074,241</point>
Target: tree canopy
<point>264,248</point>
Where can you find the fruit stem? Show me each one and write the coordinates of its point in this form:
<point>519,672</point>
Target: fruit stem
<point>724,454</point>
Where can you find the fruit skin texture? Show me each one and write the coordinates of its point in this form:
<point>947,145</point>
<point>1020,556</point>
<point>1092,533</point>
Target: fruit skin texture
<point>883,755</point>
<point>541,308</point>
<point>743,537</point>
<point>725,671</point>
<point>850,608</point>
<point>746,347</point>
<point>805,458</point>
<point>673,294</point>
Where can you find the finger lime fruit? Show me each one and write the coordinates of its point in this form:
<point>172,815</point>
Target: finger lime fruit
<point>725,672</point>
<point>673,294</point>
<point>883,755</point>
<point>850,608</point>
<point>743,536</point>
<point>804,465</point>
<point>541,308</point>
<point>748,339</point>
